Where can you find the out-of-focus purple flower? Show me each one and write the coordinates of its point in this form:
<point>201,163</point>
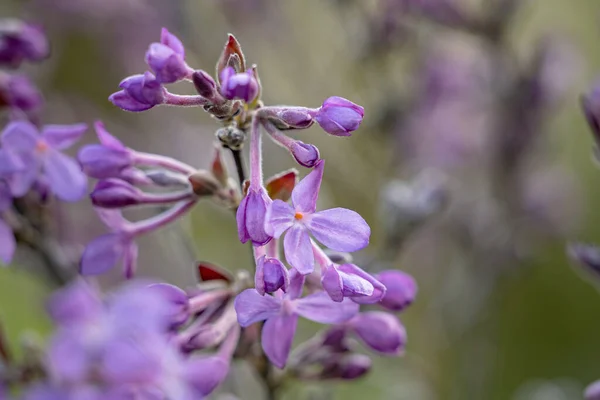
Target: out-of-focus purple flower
<point>118,193</point>
<point>401,289</point>
<point>348,280</point>
<point>270,276</point>
<point>241,85</point>
<point>346,366</point>
<point>107,159</point>
<point>250,217</point>
<point>380,331</point>
<point>592,392</point>
<point>305,154</point>
<point>590,103</point>
<point>338,116</point>
<point>41,158</point>
<point>587,256</point>
<point>167,58</point>
<point>102,253</point>
<point>20,41</point>
<point>17,91</point>
<point>140,93</point>
<point>281,315</point>
<point>7,238</point>
<point>337,228</point>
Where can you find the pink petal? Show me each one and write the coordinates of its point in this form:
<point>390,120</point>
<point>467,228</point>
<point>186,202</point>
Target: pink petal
<point>340,229</point>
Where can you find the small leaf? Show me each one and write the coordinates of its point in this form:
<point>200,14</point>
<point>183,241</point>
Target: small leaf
<point>232,49</point>
<point>280,186</point>
<point>211,272</point>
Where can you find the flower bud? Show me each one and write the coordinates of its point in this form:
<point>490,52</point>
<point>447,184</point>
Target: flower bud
<point>115,193</point>
<point>380,331</point>
<point>231,56</point>
<point>205,84</point>
<point>338,116</point>
<point>17,91</point>
<point>177,300</point>
<point>204,183</point>
<point>295,117</point>
<point>140,93</point>
<point>271,275</point>
<point>241,86</point>
<point>305,154</point>
<point>21,41</point>
<point>231,137</point>
<point>166,58</point>
<point>250,217</point>
<point>401,289</point>
<point>592,392</point>
<point>165,178</point>
<point>347,367</point>
<point>100,161</point>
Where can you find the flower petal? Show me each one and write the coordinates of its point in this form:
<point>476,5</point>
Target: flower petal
<point>333,284</point>
<point>306,192</point>
<point>340,229</point>
<point>106,138</point>
<point>130,258</point>
<point>65,177</point>
<point>277,337</point>
<point>379,288</point>
<point>20,182</point>
<point>124,101</point>
<point>206,373</point>
<point>7,243</point>
<point>320,308</point>
<point>63,136</point>
<point>20,136</point>
<point>102,254</point>
<point>355,286</point>
<point>279,217</point>
<point>240,217</point>
<point>251,307</point>
<point>298,249</point>
<point>380,331</point>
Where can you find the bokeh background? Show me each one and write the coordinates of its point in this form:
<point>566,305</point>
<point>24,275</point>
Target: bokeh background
<point>482,132</point>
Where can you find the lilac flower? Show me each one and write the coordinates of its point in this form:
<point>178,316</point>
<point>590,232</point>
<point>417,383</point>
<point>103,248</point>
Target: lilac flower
<point>250,217</point>
<point>102,253</point>
<point>271,275</point>
<point>21,41</point>
<point>380,331</point>
<point>17,92</point>
<point>242,85</point>
<point>346,366</point>
<point>337,228</point>
<point>339,117</point>
<point>281,315</point>
<point>7,238</point>
<point>167,58</point>
<point>140,93</point>
<point>108,159</point>
<point>305,154</point>
<point>348,280</point>
<point>592,392</point>
<point>41,158</point>
<point>401,289</point>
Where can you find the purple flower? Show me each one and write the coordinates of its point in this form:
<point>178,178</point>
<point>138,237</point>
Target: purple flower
<point>348,280</point>
<point>339,117</point>
<point>346,366</point>
<point>17,91</point>
<point>250,217</point>
<point>305,154</point>
<point>205,84</point>
<point>41,154</point>
<point>115,193</point>
<point>108,159</point>
<point>590,103</point>
<point>7,238</point>
<point>140,93</point>
<point>592,392</point>
<point>401,289</point>
<point>21,41</point>
<point>271,275</point>
<point>380,331</point>
<point>281,315</point>
<point>167,58</point>
<point>104,252</point>
<point>242,85</point>
<point>337,228</point>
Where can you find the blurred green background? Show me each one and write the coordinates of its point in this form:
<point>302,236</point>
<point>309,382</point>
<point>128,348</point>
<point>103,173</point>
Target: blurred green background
<point>537,334</point>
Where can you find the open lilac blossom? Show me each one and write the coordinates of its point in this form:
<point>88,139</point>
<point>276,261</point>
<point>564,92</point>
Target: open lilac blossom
<point>338,116</point>
<point>281,313</point>
<point>139,93</point>
<point>7,238</point>
<point>41,158</point>
<point>401,289</point>
<point>241,85</point>
<point>19,93</point>
<point>337,228</point>
<point>250,217</point>
<point>20,41</point>
<point>167,58</point>
<point>380,331</point>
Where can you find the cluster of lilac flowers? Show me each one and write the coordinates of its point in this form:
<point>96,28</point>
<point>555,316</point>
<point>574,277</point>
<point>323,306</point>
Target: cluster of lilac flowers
<point>143,340</point>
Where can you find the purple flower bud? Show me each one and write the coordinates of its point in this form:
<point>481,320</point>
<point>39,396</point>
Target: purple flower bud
<point>242,86</point>
<point>105,160</point>
<point>338,116</point>
<point>17,91</point>
<point>115,193</point>
<point>140,93</point>
<point>205,84</point>
<point>295,117</point>
<point>305,154</point>
<point>177,300</point>
<point>592,392</point>
<point>380,331</point>
<point>21,41</point>
<point>347,367</point>
<point>271,275</point>
<point>167,64</point>
<point>250,217</point>
<point>401,289</point>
